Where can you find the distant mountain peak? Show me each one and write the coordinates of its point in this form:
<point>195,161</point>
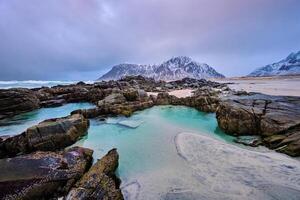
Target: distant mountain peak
<point>176,68</point>
<point>288,66</point>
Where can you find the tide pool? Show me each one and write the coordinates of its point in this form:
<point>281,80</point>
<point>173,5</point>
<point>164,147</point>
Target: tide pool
<point>176,152</point>
<point>153,164</point>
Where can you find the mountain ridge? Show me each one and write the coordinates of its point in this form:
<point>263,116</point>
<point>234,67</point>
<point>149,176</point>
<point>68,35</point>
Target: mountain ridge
<point>173,69</point>
<point>288,66</point>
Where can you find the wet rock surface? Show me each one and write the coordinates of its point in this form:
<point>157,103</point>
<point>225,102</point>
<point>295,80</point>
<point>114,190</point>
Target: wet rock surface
<point>16,101</point>
<point>275,119</point>
<point>100,182</point>
<point>48,135</point>
<point>42,175</point>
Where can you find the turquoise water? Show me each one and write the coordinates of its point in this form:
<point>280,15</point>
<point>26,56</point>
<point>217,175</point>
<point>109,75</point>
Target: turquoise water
<point>19,123</point>
<point>149,148</point>
<point>147,143</point>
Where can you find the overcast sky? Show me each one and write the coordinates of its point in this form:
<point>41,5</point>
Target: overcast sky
<point>82,39</point>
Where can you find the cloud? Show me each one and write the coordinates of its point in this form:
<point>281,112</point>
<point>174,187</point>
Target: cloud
<point>61,39</point>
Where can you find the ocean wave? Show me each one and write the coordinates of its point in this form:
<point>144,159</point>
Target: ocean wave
<point>35,83</point>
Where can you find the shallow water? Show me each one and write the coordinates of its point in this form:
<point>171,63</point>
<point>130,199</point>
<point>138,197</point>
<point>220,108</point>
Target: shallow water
<point>135,145</point>
<point>152,166</point>
<point>20,123</point>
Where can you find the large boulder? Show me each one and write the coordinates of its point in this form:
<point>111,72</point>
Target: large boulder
<point>115,98</point>
<point>100,182</point>
<point>206,99</point>
<point>276,119</point>
<point>42,175</point>
<point>16,101</point>
<point>50,134</point>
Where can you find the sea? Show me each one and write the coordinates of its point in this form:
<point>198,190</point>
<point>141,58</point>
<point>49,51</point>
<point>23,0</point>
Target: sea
<point>35,83</point>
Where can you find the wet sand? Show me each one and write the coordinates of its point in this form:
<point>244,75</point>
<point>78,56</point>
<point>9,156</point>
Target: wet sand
<point>283,86</point>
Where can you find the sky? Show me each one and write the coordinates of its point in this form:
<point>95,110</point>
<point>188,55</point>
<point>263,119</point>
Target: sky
<point>82,39</point>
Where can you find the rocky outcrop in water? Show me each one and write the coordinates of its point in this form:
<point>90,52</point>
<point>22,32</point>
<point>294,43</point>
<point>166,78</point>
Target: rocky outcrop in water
<point>50,135</point>
<point>42,175</point>
<point>16,101</point>
<point>126,109</point>
<point>100,182</point>
<point>276,119</point>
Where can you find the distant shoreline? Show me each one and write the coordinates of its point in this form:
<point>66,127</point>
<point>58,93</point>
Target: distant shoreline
<point>272,85</point>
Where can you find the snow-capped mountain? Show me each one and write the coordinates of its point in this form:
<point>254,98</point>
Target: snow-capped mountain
<point>174,69</point>
<point>287,66</point>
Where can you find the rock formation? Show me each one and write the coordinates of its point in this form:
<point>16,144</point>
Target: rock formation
<point>16,101</point>
<point>276,119</point>
<point>100,182</point>
<point>42,175</point>
<point>48,135</point>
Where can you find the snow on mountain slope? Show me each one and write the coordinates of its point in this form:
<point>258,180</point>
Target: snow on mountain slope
<point>174,69</point>
<point>287,66</point>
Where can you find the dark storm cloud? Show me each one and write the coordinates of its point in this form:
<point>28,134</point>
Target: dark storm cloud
<point>80,39</point>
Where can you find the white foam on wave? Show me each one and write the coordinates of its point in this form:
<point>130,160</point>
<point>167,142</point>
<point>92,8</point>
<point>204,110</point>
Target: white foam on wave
<point>35,83</point>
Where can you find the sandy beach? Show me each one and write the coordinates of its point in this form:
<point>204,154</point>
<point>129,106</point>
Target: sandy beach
<point>283,86</point>
<point>279,86</point>
<point>177,93</point>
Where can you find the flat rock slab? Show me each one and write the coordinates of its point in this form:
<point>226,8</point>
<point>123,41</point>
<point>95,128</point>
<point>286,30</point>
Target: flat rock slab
<point>42,175</point>
<point>131,123</point>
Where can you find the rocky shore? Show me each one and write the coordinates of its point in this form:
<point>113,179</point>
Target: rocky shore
<point>275,120</point>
